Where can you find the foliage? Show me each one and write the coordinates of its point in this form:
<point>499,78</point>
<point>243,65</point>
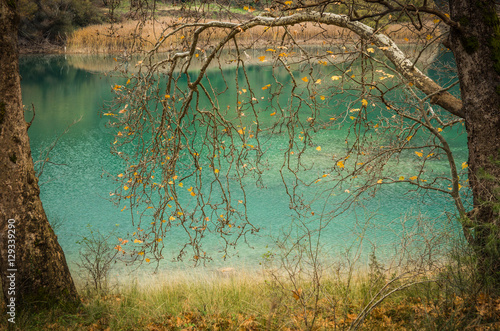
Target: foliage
<point>53,20</point>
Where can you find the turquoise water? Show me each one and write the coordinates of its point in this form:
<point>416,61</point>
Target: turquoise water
<point>75,188</point>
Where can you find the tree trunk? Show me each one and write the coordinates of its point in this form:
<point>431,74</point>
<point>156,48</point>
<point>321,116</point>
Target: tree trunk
<point>30,256</point>
<point>476,46</point>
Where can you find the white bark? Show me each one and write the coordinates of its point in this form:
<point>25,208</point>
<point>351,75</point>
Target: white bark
<point>402,64</point>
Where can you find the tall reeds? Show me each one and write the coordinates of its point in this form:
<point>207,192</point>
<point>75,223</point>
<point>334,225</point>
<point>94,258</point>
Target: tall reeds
<point>132,35</point>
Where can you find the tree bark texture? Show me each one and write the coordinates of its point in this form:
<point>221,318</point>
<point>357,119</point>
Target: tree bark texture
<point>476,46</point>
<point>42,274</point>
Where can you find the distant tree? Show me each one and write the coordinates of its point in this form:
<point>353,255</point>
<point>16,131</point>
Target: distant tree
<point>28,246</point>
<point>52,20</point>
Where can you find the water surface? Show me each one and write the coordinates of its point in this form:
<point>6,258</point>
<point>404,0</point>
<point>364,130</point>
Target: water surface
<point>75,186</point>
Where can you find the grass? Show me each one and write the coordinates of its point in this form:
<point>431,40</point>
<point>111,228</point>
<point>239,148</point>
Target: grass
<point>264,301</point>
<point>133,36</point>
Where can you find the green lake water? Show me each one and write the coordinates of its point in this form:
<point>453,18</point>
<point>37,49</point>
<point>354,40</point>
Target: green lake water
<point>75,193</point>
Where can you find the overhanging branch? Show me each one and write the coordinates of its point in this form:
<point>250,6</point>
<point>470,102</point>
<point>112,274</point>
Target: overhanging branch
<point>403,65</point>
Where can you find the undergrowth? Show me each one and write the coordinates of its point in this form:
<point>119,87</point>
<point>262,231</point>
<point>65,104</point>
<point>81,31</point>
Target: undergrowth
<point>252,301</point>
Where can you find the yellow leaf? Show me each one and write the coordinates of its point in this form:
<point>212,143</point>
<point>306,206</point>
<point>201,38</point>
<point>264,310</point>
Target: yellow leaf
<point>333,119</point>
<point>406,39</point>
<point>410,84</point>
<point>124,207</point>
<point>352,118</point>
<point>409,138</point>
<point>401,178</point>
<point>171,218</point>
<point>272,114</point>
<point>305,79</point>
<point>318,81</point>
<point>370,50</point>
<point>464,165</point>
<point>431,154</point>
<point>137,241</point>
<point>266,87</point>
<point>318,148</point>
<point>159,239</point>
<point>167,96</point>
<point>440,130</point>
<point>270,50</point>
<point>181,184</point>
<point>193,194</point>
<point>120,175</point>
<point>140,253</point>
<point>322,97</point>
<point>297,294</point>
<point>245,8</point>
<point>436,21</point>
<point>364,102</point>
<point>379,181</point>
<point>262,58</point>
<point>147,260</point>
<point>419,154</point>
<point>128,81</point>
<point>288,3</point>
<point>429,37</point>
<point>413,177</point>
<point>340,164</point>
<point>125,187</point>
<point>216,171</point>
<point>336,77</point>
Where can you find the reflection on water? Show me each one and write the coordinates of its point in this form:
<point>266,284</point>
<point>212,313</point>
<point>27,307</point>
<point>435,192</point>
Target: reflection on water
<point>75,192</point>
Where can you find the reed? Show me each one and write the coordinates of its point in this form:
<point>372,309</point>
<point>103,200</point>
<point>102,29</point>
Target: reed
<point>133,35</point>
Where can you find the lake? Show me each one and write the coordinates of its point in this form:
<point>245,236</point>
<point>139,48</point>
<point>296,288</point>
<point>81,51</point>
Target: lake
<point>75,187</point>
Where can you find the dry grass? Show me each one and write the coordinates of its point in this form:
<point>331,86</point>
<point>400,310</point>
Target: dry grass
<point>255,300</point>
<point>131,35</point>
